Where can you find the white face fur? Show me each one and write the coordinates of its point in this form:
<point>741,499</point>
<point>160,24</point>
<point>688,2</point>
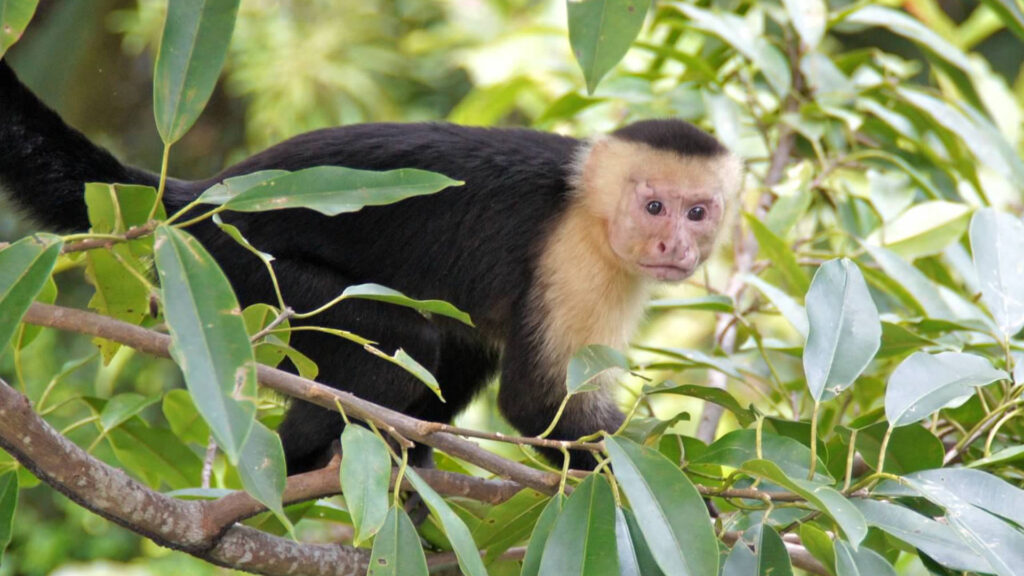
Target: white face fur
<point>662,211</point>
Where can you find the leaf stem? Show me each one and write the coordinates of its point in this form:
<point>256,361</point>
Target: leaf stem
<point>163,182</point>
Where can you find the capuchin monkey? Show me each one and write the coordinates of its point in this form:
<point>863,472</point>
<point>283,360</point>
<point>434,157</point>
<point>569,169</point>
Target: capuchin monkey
<point>550,245</point>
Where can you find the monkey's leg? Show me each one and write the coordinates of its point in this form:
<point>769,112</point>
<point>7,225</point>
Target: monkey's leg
<point>308,430</point>
<point>531,392</point>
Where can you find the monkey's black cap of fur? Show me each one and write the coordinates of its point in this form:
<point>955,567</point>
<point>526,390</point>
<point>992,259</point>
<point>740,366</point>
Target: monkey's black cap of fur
<point>676,136</point>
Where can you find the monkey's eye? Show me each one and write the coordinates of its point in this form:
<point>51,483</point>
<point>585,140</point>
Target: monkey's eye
<point>697,213</point>
<point>654,207</point>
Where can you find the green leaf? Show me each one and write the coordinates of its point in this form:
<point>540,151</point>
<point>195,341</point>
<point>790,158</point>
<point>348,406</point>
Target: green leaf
<point>711,303</point>
<point>740,446</point>
<point>402,359</point>
<point>192,51</point>
<point>818,542</point>
<point>333,190</point>
<point>454,528</point>
<point>1010,14</point>
<point>261,467</point>
<point>1004,456</point>
<point>509,522</point>
<point>997,242</point>
<point>741,561</point>
<point>155,454</point>
<point>826,499</point>
<point>744,416</point>
<point>541,532</point>
<point>734,31</point>
<point>772,556</point>
<point>186,422</point>
<point>600,33</point>
<point>937,540</point>
<point>582,541</point>
<point>589,364</point>
<point>925,229</point>
<point>675,524</point>
<point>14,18</point>
<point>845,332</point>
<point>863,562</point>
<point>259,316</point>
<point>900,23</point>
<point>122,407</point>
<point>790,309</point>
<point>780,254</point>
<point>698,358</point>
<point>925,383</point>
<point>8,505</point>
<point>25,267</point>
<point>635,557</point>
<point>222,192</point>
<point>365,480</point>
<point>384,294</point>
<point>566,107</point>
<point>120,292</point>
<point>27,332</point>
<point>911,448</point>
<point>396,549</point>
<point>983,139</point>
<point>208,338</point>
<point>808,18</point>
<point>920,287</point>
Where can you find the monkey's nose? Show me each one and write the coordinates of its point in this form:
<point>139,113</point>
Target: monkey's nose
<point>662,248</point>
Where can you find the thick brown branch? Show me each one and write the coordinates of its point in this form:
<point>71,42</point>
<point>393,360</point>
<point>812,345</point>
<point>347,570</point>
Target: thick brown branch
<point>176,524</point>
<point>157,344</point>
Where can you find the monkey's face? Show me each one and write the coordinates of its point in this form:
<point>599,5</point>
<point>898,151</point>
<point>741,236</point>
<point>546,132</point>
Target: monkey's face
<point>665,229</point>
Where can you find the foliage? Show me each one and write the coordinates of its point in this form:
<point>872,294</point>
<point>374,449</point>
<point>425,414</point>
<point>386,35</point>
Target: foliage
<point>867,341</point>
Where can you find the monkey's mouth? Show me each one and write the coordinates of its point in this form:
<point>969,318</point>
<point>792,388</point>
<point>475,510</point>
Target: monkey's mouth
<point>667,272</point>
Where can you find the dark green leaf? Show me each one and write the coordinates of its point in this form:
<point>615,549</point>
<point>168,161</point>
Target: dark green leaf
<point>396,549</point>
<point>122,407</point>
<point>262,470</point>
<point>222,192</point>
<point>14,18</point>
<point>155,454</point>
<point>8,505</point>
<point>911,448</point>
<point>601,31</point>
<point>741,561</point>
<point>509,522</point>
<point>541,533</point>
<point>822,497</point>
<point>185,420</point>
<point>454,528</point>
<point>818,543</point>
<point>772,556</point>
<point>675,524</point>
<point>745,416</point>
<point>780,254</point>
<point>208,338</point>
<point>192,51</point>
<point>582,541</point>
<point>845,332</point>
<point>334,190</point>
<point>711,303</point>
<point>925,383</point>
<point>25,267</point>
<point>385,294</point>
<point>739,446</point>
<point>365,480</point>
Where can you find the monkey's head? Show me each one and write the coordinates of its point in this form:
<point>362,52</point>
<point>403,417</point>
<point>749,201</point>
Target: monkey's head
<point>662,189</point>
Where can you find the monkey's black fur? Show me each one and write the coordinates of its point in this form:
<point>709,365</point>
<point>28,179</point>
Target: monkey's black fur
<point>475,246</point>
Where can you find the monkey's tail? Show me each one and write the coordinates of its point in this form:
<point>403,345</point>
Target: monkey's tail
<point>44,163</point>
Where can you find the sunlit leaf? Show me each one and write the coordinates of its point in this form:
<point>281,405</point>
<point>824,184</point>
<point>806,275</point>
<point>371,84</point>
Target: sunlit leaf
<point>808,17</point>
<point>385,294</point>
<point>844,333</point>
<point>781,256</point>
<point>25,267</point>
<point>745,416</point>
<point>208,338</point>
<point>925,229</point>
<point>14,18</point>
<point>919,286</point>
<point>122,407</point>
<point>675,522</point>
<point>334,190</point>
<point>711,303</point>
<point>997,242</point>
<point>192,51</point>
<point>1010,14</point>
<point>818,543</point>
<point>582,541</point>
<point>600,33</point>
<point>185,420</point>
<point>900,23</point>
<point>402,359</point>
<point>790,309</point>
<point>925,383</point>
<point>589,364</point>
<point>740,446</point>
<point>396,549</point>
<point>365,479</point>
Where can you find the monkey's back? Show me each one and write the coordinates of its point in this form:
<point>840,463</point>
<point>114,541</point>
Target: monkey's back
<point>472,245</point>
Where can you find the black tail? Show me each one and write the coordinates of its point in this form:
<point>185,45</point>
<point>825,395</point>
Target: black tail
<point>44,163</point>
